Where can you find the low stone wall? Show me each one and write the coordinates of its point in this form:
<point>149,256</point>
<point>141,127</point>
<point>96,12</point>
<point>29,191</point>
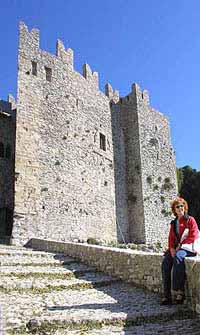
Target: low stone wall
<point>193,283</point>
<point>143,269</point>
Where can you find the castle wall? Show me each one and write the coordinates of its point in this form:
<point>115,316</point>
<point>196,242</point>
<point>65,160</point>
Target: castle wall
<point>65,180</point>
<point>150,168</point>
<point>158,167</point>
<point>88,165</point>
<point>134,195</point>
<point>120,175</point>
<point>7,157</point>
<point>119,156</point>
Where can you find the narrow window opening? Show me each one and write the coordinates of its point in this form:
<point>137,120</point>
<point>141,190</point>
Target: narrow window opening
<point>8,151</point>
<point>34,68</point>
<point>102,142</point>
<point>48,71</point>
<point>1,150</point>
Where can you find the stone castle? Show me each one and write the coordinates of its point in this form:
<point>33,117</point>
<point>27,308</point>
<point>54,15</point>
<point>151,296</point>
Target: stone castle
<point>76,163</point>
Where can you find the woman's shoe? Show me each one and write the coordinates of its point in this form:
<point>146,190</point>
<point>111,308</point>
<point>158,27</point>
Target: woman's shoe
<point>180,297</point>
<point>166,301</point>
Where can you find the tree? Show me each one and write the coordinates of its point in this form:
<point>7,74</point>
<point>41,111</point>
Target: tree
<point>189,189</point>
<point>179,176</point>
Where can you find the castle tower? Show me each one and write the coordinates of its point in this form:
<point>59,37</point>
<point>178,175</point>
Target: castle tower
<point>148,165</point>
<point>64,153</point>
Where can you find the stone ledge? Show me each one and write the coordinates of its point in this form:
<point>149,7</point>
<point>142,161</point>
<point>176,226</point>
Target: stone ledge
<point>143,269</point>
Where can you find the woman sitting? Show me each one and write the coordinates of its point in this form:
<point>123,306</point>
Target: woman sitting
<point>183,232</point>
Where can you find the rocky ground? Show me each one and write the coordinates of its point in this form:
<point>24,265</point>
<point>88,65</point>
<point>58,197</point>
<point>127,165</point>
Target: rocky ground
<point>53,294</point>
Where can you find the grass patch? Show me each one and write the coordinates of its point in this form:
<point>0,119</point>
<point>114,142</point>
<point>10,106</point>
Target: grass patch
<point>13,253</point>
<point>4,254</point>
<point>41,264</point>
<point>51,288</point>
<point>67,275</point>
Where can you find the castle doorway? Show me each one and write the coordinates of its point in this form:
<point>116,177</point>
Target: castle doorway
<point>6,221</point>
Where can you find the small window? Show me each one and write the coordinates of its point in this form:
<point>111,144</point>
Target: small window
<point>102,142</point>
<point>48,71</point>
<point>8,151</point>
<point>1,150</point>
<point>34,68</point>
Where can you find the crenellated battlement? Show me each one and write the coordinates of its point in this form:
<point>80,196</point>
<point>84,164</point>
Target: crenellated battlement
<point>135,96</point>
<point>29,43</point>
<point>145,96</point>
<point>140,94</point>
<point>12,101</point>
<point>66,55</point>
<point>29,46</point>
<point>30,39</point>
<point>111,94</point>
<point>90,76</point>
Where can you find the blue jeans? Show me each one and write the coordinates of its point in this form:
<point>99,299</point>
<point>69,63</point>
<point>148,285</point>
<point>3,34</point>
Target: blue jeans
<point>178,274</point>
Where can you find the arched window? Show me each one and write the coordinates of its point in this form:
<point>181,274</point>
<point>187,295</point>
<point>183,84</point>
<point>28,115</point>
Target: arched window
<point>8,151</point>
<point>1,150</point>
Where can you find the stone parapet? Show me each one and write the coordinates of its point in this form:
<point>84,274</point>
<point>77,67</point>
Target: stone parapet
<point>143,269</point>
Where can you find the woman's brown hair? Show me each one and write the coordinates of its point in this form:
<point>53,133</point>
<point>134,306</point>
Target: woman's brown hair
<point>179,201</point>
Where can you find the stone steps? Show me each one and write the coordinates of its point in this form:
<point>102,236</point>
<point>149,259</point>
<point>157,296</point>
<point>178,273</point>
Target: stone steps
<point>26,259</point>
<point>176,327</point>
<point>52,298</point>
<point>62,271</point>
<point>36,285</point>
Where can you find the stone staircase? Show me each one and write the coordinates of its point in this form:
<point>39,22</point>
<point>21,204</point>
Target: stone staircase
<point>52,294</point>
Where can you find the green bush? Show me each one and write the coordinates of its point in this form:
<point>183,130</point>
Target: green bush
<point>92,240</point>
<point>149,180</point>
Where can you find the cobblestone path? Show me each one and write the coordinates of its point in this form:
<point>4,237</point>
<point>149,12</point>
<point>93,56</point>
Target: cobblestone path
<point>52,294</point>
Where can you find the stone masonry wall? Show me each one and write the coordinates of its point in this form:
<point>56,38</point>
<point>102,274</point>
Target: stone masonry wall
<point>120,175</point>
<point>158,169</point>
<point>65,185</point>
<point>140,268</point>
<point>130,129</point>
<point>7,138</point>
<point>150,168</point>
<point>88,165</point>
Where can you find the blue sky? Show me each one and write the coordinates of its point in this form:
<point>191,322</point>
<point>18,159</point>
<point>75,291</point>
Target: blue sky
<point>155,43</point>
